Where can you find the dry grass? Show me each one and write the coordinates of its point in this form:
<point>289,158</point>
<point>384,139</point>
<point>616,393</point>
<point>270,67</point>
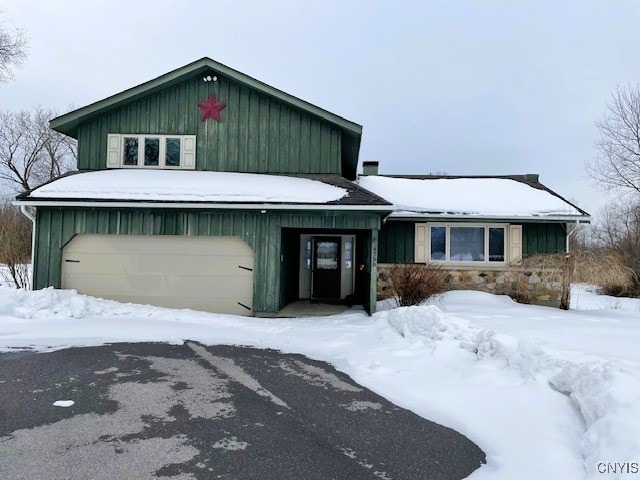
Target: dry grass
<point>603,268</point>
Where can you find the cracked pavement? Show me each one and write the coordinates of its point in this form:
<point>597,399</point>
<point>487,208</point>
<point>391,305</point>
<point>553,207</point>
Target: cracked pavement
<point>158,411</point>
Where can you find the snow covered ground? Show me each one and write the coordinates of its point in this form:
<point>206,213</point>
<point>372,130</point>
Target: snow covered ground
<point>545,393</point>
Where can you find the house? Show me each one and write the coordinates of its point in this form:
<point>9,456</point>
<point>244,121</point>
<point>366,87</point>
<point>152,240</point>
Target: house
<point>205,188</point>
<point>208,189</point>
<point>476,228</point>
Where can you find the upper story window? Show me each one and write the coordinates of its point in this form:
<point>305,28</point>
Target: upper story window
<point>151,151</point>
<point>470,244</point>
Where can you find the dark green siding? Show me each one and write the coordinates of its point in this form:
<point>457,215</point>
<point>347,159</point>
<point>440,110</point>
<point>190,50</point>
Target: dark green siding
<point>258,134</point>
<point>538,238</point>
<point>56,226</point>
<point>397,240</point>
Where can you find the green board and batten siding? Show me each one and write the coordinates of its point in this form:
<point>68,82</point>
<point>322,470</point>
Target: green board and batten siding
<point>538,238</point>
<point>258,133</point>
<point>397,240</point>
<point>262,232</point>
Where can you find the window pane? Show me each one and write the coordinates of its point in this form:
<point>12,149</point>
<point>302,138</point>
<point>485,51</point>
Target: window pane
<point>151,151</point>
<point>496,244</point>
<point>172,157</point>
<point>327,256</point>
<point>307,254</point>
<point>467,244</point>
<point>348,252</point>
<point>130,155</point>
<point>438,243</point>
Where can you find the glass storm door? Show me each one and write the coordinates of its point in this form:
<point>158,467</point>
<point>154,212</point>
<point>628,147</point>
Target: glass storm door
<point>326,267</point>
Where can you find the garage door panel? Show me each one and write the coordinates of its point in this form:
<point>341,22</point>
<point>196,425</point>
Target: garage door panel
<point>159,244</point>
<point>228,306</point>
<point>157,264</point>
<point>201,273</point>
<point>159,285</point>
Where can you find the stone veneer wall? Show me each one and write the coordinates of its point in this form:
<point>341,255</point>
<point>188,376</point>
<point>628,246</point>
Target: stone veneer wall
<point>523,285</point>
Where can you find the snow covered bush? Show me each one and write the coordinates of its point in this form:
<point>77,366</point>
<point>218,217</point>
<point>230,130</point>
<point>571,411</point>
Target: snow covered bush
<point>412,284</point>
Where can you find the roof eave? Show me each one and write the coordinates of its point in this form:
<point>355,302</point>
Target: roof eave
<point>499,218</point>
<point>93,203</point>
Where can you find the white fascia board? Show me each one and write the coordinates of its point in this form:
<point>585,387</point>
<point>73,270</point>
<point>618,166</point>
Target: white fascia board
<point>504,218</point>
<point>207,206</point>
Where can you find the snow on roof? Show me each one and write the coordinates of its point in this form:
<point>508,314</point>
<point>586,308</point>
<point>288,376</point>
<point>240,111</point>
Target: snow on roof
<point>189,186</point>
<point>499,197</point>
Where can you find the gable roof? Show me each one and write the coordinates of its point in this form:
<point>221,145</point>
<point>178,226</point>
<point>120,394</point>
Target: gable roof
<point>503,197</point>
<point>68,122</point>
<point>351,131</point>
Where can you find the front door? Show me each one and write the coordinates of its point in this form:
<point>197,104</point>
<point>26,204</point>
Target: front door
<point>326,267</point>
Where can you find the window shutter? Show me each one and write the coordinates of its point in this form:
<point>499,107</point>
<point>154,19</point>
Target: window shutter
<point>515,243</point>
<point>188,152</point>
<point>421,243</point>
<point>113,151</point>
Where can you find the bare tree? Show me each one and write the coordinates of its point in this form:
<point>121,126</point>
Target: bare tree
<point>15,246</point>
<point>13,51</point>
<point>618,230</point>
<point>617,165</point>
<point>30,152</point>
<point>617,169</point>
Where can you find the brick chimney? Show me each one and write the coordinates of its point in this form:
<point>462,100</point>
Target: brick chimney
<point>370,168</point>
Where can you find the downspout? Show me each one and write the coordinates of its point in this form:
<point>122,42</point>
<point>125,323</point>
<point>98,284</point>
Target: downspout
<point>29,212</point>
<point>569,235</point>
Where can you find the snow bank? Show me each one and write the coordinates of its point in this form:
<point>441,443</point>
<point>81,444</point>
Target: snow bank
<point>427,321</point>
<point>607,396</point>
<point>52,303</point>
<point>609,400</point>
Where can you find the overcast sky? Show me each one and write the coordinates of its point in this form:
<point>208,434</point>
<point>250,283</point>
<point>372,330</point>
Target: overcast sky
<point>462,87</point>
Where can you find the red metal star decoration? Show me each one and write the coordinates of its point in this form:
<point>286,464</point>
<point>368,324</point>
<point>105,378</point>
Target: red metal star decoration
<point>211,108</point>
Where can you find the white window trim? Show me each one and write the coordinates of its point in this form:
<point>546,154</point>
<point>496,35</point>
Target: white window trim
<point>485,262</point>
<point>115,157</point>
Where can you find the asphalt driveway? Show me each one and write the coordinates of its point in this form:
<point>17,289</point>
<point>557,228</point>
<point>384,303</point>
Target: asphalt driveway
<point>157,411</point>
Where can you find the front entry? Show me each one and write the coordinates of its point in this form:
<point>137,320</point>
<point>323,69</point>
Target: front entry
<point>326,273</point>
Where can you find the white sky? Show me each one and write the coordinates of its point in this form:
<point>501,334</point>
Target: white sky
<point>465,87</point>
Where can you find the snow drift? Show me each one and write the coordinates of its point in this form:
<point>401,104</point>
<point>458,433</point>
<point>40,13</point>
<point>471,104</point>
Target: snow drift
<point>607,396</point>
<point>545,393</point>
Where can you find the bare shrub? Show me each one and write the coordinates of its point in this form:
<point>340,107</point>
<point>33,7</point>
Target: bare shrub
<point>15,246</point>
<point>603,268</point>
<point>412,284</point>
<point>520,297</point>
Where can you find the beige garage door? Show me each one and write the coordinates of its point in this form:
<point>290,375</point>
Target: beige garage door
<point>203,273</point>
